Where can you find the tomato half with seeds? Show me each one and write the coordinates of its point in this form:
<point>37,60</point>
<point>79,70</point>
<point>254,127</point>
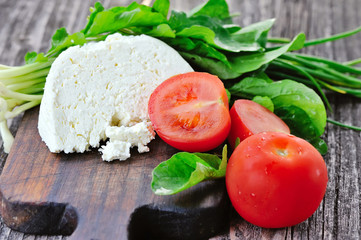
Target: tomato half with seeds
<point>250,118</point>
<point>190,111</point>
<point>275,179</point>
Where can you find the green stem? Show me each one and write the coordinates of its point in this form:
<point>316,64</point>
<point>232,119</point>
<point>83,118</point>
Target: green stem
<point>22,108</point>
<point>26,69</point>
<point>25,85</point>
<point>348,81</point>
<point>353,62</point>
<point>314,82</point>
<point>307,82</point>
<point>278,40</point>
<point>6,135</point>
<point>4,67</point>
<point>345,68</point>
<point>33,75</point>
<point>332,38</point>
<point>343,125</point>
<point>7,93</point>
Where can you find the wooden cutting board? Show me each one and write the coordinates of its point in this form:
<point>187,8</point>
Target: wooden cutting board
<point>82,196</point>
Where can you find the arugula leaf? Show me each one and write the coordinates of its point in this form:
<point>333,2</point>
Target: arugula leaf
<point>184,170</point>
<point>161,6</point>
<point>61,40</point>
<point>212,8</point>
<point>250,62</point>
<point>208,29</point>
<point>241,63</point>
<point>32,57</point>
<point>197,47</point>
<point>254,33</point>
<point>298,105</point>
<point>162,30</point>
<point>265,102</point>
<point>209,65</point>
<point>117,18</point>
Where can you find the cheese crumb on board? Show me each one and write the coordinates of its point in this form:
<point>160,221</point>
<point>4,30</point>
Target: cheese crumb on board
<point>101,90</point>
<point>138,135</point>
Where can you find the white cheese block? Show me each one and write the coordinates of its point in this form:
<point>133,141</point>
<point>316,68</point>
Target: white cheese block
<point>102,86</point>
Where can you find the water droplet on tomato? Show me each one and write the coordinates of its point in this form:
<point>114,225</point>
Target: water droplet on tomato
<point>299,150</point>
<point>263,138</point>
<point>253,194</point>
<point>247,155</point>
<point>239,192</point>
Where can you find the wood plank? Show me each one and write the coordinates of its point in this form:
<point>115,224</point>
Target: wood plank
<point>79,194</point>
<point>22,30</point>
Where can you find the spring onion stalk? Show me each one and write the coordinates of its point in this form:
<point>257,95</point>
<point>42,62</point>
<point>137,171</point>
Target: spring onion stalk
<point>333,37</point>
<point>340,78</point>
<point>307,75</point>
<point>353,62</point>
<point>21,88</point>
<point>343,125</point>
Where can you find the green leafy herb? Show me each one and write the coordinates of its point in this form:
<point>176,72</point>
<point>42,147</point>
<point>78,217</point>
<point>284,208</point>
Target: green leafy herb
<point>242,63</point>
<point>212,8</point>
<point>255,33</point>
<point>117,18</point>
<point>184,170</point>
<point>161,6</point>
<point>61,40</point>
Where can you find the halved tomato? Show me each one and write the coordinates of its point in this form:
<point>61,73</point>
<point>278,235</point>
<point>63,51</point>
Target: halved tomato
<point>249,118</point>
<point>190,111</point>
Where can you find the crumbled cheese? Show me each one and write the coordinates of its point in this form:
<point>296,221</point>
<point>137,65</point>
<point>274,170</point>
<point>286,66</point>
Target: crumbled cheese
<point>116,150</point>
<point>101,90</point>
<point>138,135</point>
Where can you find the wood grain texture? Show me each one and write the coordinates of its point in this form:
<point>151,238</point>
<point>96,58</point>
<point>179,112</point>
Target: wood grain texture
<point>79,194</point>
<point>28,25</point>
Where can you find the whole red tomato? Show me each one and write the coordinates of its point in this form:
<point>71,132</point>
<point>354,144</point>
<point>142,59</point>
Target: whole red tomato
<point>275,179</point>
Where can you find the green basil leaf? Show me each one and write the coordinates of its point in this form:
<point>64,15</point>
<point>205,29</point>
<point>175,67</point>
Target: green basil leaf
<point>184,170</point>
<point>161,6</point>
<point>264,101</point>
<point>298,105</point>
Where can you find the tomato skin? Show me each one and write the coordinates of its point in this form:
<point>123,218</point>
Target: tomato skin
<point>276,180</point>
<point>249,118</point>
<point>190,111</point>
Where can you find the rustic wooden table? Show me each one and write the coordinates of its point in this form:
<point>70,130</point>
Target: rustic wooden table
<point>28,26</point>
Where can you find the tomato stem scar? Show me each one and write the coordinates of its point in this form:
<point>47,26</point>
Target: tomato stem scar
<point>282,152</point>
